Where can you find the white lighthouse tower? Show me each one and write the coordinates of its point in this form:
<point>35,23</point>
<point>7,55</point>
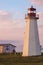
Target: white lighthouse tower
<point>31,39</point>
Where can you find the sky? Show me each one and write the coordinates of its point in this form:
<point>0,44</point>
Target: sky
<point>12,20</point>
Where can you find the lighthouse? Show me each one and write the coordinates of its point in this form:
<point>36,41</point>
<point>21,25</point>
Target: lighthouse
<point>31,45</point>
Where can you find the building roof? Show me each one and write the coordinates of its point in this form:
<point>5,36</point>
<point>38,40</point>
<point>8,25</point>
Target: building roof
<point>7,44</point>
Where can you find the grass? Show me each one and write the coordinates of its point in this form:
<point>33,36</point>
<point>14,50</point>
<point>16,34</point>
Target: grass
<point>17,59</point>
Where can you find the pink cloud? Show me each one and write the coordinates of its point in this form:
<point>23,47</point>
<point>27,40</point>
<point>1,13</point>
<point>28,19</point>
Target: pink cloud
<point>5,16</point>
<point>37,2</point>
<point>11,34</point>
<point>40,28</point>
<point>3,12</point>
<point>10,29</point>
<point>40,21</point>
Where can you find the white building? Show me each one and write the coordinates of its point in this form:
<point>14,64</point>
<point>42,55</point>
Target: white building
<point>7,48</point>
<point>31,38</point>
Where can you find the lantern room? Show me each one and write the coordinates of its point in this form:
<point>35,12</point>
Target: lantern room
<point>32,13</point>
<point>31,10</point>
